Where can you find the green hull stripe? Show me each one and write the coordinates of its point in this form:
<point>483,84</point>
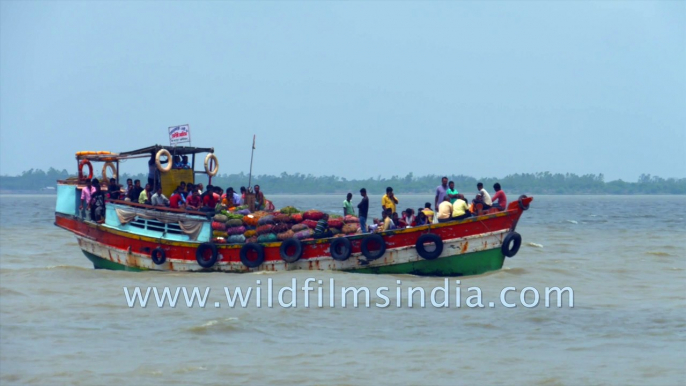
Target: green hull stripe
<point>475,263</point>
<point>100,263</point>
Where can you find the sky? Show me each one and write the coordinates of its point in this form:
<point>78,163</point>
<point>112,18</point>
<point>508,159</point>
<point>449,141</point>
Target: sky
<point>354,89</point>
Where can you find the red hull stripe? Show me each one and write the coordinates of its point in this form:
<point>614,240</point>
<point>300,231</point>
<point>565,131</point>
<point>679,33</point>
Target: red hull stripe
<point>311,249</point>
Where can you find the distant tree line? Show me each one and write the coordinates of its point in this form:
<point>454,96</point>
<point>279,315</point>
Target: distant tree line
<point>531,183</point>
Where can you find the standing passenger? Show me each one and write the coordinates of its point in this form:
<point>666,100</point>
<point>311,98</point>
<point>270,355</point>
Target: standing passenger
<point>348,206</point>
<point>98,204</point>
<point>259,198</point>
<point>86,194</point>
<point>363,208</point>
<point>389,201</point>
<point>441,191</point>
<point>451,192</point>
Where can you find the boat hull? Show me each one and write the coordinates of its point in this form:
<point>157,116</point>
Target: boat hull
<point>470,247</point>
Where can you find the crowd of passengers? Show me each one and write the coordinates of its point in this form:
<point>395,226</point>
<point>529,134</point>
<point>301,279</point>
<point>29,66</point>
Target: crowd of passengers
<point>450,204</point>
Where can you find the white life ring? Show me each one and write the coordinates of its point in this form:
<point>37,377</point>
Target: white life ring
<point>163,152</point>
<point>214,171</point>
<point>112,168</point>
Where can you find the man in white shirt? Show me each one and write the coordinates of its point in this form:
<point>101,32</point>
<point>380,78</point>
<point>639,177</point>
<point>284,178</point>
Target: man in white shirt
<point>485,197</point>
<point>158,199</point>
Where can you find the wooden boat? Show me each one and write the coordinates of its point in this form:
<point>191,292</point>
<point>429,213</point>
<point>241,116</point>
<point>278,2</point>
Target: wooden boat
<point>141,237</point>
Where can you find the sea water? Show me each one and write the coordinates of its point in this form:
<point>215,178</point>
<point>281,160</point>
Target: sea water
<point>62,322</point>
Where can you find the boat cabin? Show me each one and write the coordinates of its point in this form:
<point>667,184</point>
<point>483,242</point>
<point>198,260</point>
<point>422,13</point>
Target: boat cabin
<point>147,220</point>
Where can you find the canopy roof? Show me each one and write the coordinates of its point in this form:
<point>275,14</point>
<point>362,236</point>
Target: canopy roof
<point>174,150</point>
<point>106,156</point>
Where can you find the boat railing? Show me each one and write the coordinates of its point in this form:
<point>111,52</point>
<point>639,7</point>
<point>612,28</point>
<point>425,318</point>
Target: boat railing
<point>162,208</point>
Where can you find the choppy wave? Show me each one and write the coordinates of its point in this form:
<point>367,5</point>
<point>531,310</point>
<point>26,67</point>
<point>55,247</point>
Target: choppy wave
<point>658,253</point>
<point>228,324</point>
<point>572,221</point>
<point>535,245</point>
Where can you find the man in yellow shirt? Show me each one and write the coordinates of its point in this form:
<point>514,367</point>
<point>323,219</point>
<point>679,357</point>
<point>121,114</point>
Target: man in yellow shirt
<point>428,212</point>
<point>460,208</point>
<point>389,200</point>
<point>445,210</point>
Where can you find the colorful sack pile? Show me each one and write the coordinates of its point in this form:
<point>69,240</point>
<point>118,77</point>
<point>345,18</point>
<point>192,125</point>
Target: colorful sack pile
<point>351,219</point>
<point>335,223</point>
<point>299,227</point>
<point>314,215</point>
<point>297,218</point>
<point>310,223</point>
<point>236,239</point>
<point>235,230</point>
<point>218,226</point>
<point>350,228</point>
<point>266,238</point>
<point>305,234</point>
<point>264,229</point>
<point>289,234</point>
<point>289,210</point>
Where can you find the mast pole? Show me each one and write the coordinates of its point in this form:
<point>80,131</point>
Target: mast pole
<point>252,152</point>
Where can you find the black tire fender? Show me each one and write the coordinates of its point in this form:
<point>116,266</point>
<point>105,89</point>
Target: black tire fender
<point>283,250</point>
<point>429,238</point>
<point>200,255</point>
<point>508,248</point>
<point>521,202</point>
<point>158,256</point>
<point>260,255</point>
<point>340,249</point>
<point>364,246</point>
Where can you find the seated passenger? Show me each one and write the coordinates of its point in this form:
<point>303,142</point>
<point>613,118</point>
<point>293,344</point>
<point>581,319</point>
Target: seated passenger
<point>113,190</point>
<point>428,212</point>
<point>388,220</point>
<point>177,162</point>
<point>194,202</point>
<point>420,219</point>
<point>145,195</point>
<point>135,191</point>
<point>322,230</point>
<point>485,197</point>
<point>408,216</point>
<point>397,221</point>
<point>445,210</point>
<point>159,199</point>
<point>208,199</point>
<point>176,199</point>
<point>184,162</point>
<point>499,198</point>
<point>460,208</point>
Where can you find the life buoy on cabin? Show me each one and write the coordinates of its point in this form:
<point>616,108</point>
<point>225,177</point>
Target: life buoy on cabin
<point>113,169</point>
<point>291,250</point>
<point>340,249</point>
<point>158,256</point>
<point>158,160</point>
<point>214,171</point>
<point>257,249</point>
<point>373,255</point>
<point>511,244</point>
<point>200,255</point>
<point>429,238</point>
<point>82,163</point>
